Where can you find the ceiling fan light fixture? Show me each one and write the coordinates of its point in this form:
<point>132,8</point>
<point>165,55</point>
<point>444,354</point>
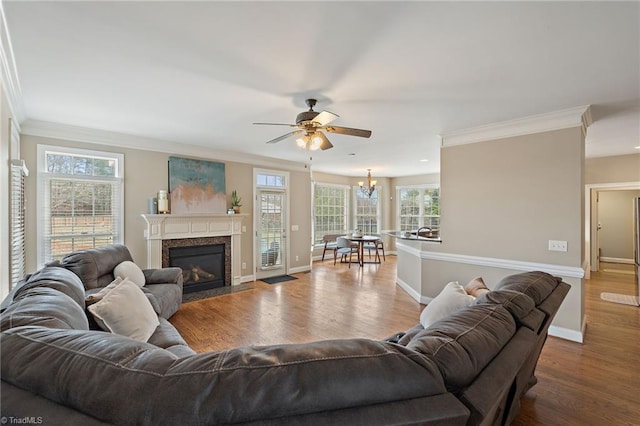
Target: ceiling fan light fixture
<point>316,142</point>
<point>302,141</point>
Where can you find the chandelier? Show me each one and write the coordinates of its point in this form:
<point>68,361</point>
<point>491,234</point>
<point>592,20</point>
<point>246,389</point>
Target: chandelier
<point>371,185</point>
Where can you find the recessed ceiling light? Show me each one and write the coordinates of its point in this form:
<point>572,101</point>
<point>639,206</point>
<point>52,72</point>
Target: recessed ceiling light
<point>424,160</point>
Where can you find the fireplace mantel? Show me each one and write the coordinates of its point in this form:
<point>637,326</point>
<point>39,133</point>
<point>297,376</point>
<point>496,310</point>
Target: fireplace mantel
<point>174,226</point>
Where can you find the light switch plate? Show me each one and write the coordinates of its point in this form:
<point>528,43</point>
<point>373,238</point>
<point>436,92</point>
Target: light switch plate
<point>557,245</point>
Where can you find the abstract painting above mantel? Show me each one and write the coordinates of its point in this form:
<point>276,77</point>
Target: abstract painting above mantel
<point>197,186</point>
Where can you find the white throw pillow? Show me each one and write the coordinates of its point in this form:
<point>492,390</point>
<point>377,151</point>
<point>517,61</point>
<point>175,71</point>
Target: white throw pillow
<point>96,297</point>
<point>128,269</point>
<point>452,298</point>
<point>125,310</point>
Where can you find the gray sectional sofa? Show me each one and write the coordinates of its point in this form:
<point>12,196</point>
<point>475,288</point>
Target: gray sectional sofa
<point>469,368</point>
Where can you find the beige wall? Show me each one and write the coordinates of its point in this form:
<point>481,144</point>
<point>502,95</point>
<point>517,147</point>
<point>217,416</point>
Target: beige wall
<point>146,173</point>
<point>615,215</point>
<point>617,169</point>
<point>503,200</point>
<point>507,198</point>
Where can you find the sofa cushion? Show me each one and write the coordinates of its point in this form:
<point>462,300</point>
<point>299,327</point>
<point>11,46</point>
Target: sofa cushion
<point>59,279</point>
<point>95,266</point>
<point>46,307</point>
<point>128,269</point>
<point>165,298</point>
<point>167,337</point>
<point>451,299</point>
<point>537,285</point>
<point>465,342</point>
<point>518,304</point>
<point>125,310</point>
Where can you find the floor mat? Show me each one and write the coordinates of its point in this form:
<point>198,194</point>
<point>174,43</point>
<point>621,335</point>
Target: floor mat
<point>620,298</point>
<point>278,279</point>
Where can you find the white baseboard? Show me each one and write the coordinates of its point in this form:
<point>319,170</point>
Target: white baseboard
<point>247,278</point>
<point>616,260</point>
<point>568,334</point>
<point>413,293</point>
<point>298,269</point>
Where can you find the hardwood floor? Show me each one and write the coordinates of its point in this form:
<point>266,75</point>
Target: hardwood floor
<point>595,383</point>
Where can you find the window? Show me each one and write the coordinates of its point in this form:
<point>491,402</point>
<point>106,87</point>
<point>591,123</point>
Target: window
<point>273,180</point>
<point>80,200</point>
<point>330,210</point>
<point>18,172</point>
<point>367,211</point>
<point>417,207</point>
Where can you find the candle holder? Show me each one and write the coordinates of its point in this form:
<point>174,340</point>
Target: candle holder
<point>163,202</point>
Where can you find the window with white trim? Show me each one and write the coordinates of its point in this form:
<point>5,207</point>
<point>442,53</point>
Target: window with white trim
<point>367,211</point>
<point>80,199</point>
<point>418,207</point>
<point>330,207</point>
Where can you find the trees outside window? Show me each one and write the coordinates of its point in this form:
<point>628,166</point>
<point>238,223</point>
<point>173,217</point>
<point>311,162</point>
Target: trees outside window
<point>418,207</point>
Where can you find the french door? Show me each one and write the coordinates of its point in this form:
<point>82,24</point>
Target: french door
<point>271,233</point>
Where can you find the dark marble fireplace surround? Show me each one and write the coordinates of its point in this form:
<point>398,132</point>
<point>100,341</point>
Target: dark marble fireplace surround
<point>198,242</point>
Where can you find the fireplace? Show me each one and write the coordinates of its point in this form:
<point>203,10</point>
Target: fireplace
<point>205,262</point>
<point>166,231</point>
<point>202,266</point>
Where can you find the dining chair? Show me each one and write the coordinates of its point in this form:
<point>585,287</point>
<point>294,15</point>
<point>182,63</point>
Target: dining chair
<point>344,248</point>
<point>376,245</point>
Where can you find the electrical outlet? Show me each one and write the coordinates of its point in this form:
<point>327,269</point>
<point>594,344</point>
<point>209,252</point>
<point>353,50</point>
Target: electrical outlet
<point>297,258</point>
<point>244,265</point>
<point>555,245</point>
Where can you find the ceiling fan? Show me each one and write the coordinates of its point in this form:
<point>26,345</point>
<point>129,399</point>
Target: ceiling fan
<point>312,123</point>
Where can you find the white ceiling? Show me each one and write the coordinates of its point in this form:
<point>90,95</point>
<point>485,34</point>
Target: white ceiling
<point>201,72</point>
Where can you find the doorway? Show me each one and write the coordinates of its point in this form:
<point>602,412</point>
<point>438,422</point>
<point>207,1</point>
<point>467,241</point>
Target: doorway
<point>607,231</point>
<point>271,223</point>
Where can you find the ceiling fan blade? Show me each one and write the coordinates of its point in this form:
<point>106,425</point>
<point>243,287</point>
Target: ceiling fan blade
<point>325,142</point>
<point>324,118</point>
<point>283,137</point>
<point>348,131</point>
<point>276,124</point>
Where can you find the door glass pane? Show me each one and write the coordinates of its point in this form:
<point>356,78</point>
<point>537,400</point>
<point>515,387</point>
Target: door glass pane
<point>271,229</point>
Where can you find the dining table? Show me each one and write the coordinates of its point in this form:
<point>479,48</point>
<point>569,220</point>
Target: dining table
<point>361,240</point>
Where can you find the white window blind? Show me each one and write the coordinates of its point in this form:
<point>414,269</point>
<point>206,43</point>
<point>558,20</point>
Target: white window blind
<point>18,172</point>
<point>81,195</point>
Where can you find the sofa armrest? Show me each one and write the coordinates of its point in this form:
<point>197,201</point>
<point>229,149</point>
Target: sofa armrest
<point>163,276</point>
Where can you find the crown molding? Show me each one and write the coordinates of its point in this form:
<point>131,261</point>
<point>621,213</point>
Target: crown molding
<point>564,119</point>
<point>9,73</point>
<point>104,137</point>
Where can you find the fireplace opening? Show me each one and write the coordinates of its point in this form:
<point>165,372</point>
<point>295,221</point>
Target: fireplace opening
<point>202,267</point>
